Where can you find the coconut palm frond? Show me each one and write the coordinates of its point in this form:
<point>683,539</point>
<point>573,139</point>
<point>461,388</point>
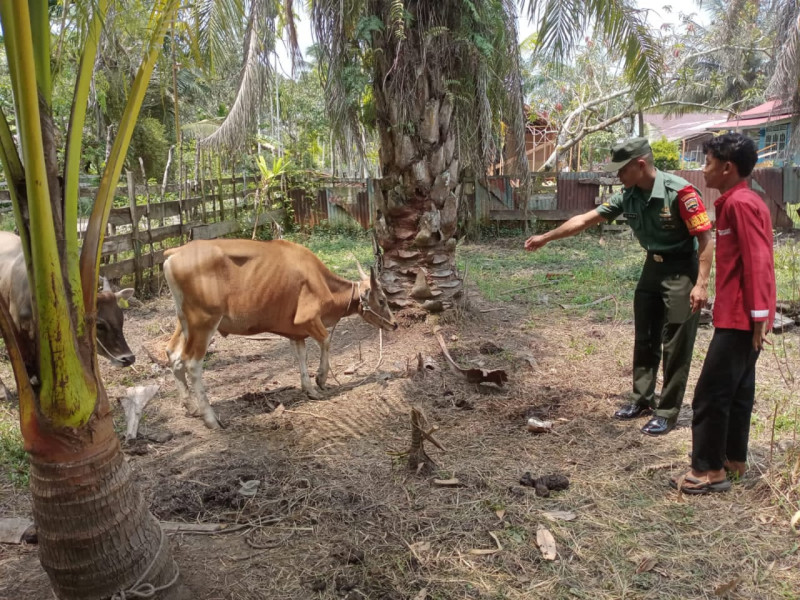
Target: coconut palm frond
<point>618,22</point>
<point>622,26</point>
<point>219,24</point>
<point>289,26</point>
<point>256,73</point>
<point>561,24</point>
<point>785,82</point>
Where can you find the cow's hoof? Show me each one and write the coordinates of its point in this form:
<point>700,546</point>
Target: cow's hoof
<point>321,384</point>
<point>210,419</point>
<point>313,394</point>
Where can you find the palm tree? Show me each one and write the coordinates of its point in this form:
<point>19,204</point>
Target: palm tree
<point>435,80</point>
<point>96,537</point>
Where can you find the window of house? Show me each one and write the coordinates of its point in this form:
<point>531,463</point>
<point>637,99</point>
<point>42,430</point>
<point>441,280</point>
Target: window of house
<point>775,140</point>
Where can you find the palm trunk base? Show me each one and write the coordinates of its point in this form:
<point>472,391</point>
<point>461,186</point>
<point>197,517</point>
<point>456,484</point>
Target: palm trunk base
<point>96,535</point>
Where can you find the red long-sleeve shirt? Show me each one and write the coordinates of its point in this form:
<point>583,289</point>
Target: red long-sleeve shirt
<point>745,279</point>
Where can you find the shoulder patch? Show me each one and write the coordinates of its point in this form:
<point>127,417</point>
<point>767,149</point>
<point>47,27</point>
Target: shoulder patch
<point>688,197</point>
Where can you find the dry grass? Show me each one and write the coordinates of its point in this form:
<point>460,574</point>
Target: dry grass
<point>337,515</point>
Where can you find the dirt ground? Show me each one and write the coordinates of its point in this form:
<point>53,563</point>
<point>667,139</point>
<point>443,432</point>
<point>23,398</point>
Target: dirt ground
<point>338,515</point>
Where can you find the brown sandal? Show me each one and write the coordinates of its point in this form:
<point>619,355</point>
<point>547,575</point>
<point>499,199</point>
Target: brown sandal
<point>689,484</point>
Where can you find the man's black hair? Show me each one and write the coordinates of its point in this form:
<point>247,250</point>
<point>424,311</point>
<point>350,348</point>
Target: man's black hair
<point>736,148</point>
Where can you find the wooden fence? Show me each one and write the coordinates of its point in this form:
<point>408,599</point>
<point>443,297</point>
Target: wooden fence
<point>140,232</point>
<point>557,197</point>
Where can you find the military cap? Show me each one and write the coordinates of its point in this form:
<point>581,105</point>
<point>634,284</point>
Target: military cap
<point>625,152</point>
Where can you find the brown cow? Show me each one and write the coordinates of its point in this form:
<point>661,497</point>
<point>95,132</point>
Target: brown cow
<point>15,290</point>
<point>246,287</point>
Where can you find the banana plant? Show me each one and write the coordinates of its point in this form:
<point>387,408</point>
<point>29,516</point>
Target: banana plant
<point>96,537</point>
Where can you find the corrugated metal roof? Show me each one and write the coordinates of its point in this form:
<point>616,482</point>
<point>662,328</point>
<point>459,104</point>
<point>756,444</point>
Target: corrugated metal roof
<point>768,112</point>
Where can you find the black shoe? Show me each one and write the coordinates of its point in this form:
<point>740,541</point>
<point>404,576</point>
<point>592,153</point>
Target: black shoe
<point>657,426</point>
<point>631,411</point>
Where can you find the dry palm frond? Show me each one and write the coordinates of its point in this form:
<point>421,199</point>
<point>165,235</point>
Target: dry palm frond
<point>255,74</point>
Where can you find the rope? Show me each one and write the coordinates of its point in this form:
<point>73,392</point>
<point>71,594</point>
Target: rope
<point>141,589</point>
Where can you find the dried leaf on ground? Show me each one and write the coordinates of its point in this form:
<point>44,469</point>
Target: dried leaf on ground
<point>485,551</point>
<point>795,522</point>
<point>448,482</point>
<point>423,593</point>
<point>646,564</point>
<point>560,515</point>
<point>546,543</point>
<point>727,588</point>
<point>500,514</point>
<point>496,376</point>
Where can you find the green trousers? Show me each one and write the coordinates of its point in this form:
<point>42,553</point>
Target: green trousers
<point>664,325</point>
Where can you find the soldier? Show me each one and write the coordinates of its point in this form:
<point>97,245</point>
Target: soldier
<point>669,220</point>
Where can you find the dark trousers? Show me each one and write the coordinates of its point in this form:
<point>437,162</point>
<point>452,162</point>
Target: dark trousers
<point>723,400</point>
<point>664,325</point>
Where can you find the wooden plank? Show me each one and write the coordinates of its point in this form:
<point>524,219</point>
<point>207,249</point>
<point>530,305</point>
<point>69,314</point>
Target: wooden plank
<point>124,243</point>
<point>128,266</point>
<point>214,230</point>
<point>119,216</point>
<point>163,210</point>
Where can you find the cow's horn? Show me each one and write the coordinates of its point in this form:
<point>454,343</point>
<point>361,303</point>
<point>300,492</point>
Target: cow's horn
<point>361,270</point>
<point>106,285</point>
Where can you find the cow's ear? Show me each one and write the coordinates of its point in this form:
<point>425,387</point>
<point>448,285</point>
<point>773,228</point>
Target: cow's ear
<point>373,281</point>
<point>123,296</point>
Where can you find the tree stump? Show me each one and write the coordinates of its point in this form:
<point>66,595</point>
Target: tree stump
<point>418,459</point>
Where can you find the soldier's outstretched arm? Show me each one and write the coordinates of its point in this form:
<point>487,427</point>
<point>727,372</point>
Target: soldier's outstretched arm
<point>567,229</point>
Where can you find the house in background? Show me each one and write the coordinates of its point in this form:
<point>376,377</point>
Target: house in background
<point>540,141</point>
<point>770,127</point>
<point>688,130</point>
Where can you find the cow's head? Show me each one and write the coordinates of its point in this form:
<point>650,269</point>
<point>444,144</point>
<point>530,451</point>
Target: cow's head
<point>110,339</point>
<point>373,306</point>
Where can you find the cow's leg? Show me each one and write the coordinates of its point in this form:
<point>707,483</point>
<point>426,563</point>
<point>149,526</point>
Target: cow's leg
<point>196,334</point>
<point>196,345</point>
<point>174,355</point>
<point>324,361</point>
<point>299,347</point>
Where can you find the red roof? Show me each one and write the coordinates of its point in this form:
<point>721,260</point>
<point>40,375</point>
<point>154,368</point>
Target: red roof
<point>758,115</point>
<point>683,126</point>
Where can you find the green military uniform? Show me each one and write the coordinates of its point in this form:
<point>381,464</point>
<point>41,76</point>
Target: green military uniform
<point>662,311</point>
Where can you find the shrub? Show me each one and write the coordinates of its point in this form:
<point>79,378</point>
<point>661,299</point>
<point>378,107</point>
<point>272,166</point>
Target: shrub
<point>150,142</point>
<point>666,155</point>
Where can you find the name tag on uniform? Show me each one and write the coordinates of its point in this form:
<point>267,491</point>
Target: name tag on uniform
<point>629,215</point>
<point>721,232</point>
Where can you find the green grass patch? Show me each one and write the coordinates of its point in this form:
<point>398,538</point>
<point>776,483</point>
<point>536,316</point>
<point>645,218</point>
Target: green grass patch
<point>787,269</point>
<point>338,250</point>
<point>13,458</point>
<point>576,270</point>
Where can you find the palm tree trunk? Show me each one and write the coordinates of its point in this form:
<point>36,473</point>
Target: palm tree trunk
<point>418,198</point>
<point>96,536</point>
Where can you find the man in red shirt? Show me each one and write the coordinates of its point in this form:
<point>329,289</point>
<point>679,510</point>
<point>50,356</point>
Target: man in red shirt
<point>744,311</point>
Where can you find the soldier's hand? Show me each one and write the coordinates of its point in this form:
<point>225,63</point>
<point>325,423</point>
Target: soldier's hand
<point>698,297</point>
<point>535,242</point>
